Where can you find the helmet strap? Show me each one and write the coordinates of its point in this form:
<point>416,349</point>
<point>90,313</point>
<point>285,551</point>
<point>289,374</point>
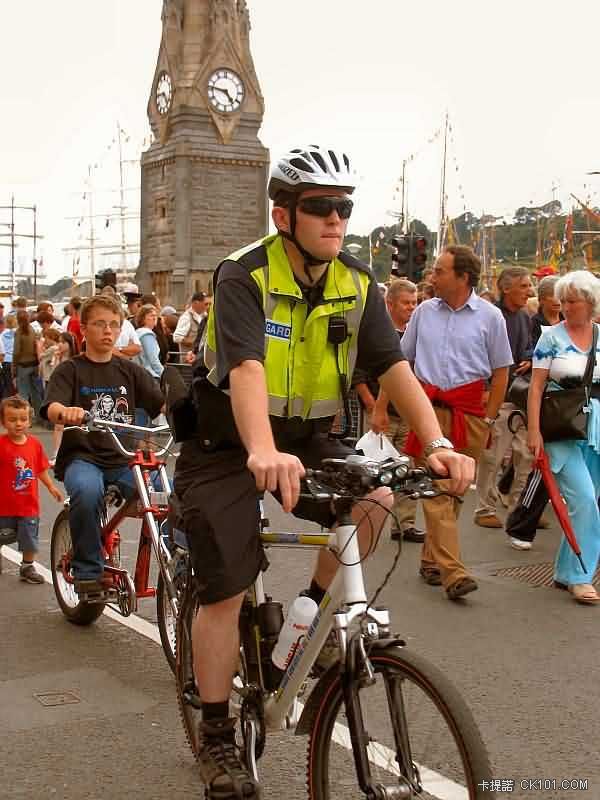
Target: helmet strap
<point>309,259</point>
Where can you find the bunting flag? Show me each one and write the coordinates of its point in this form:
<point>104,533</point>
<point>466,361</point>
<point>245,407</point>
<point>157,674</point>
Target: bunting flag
<point>450,234</point>
<point>555,255</point>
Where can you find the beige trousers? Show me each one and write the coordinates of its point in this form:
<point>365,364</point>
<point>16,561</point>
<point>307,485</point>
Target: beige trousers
<point>491,461</point>
<point>441,549</point>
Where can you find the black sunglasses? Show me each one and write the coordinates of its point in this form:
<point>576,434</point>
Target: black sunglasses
<point>323,206</point>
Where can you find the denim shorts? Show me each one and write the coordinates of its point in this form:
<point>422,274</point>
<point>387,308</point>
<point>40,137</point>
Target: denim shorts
<point>24,530</point>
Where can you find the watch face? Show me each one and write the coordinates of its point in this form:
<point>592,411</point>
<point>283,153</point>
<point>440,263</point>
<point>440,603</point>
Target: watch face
<point>164,93</point>
<point>225,91</point>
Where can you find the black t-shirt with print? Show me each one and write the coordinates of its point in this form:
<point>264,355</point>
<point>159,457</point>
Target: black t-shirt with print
<point>110,390</point>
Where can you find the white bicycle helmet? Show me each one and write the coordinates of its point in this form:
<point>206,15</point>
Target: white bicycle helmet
<point>309,167</point>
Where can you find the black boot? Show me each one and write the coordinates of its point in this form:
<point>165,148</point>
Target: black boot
<point>221,768</point>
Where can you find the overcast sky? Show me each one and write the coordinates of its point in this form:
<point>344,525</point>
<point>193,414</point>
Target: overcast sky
<point>519,80</point>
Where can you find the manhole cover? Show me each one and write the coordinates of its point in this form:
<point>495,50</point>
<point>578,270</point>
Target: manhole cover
<point>534,574</point>
<point>56,698</point>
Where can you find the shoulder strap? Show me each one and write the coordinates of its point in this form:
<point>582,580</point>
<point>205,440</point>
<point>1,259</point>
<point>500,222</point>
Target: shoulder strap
<point>588,376</point>
<point>349,260</point>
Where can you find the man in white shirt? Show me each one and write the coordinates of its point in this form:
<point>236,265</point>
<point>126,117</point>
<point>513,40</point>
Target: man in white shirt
<point>67,318</point>
<point>128,344</point>
<point>190,321</point>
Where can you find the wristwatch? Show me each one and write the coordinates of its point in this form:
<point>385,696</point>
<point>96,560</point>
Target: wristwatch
<point>438,444</point>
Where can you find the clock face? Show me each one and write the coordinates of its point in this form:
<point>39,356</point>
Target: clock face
<point>164,93</point>
<point>225,90</point>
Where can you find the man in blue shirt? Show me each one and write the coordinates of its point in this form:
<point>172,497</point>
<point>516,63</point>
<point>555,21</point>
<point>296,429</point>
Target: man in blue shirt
<point>457,342</point>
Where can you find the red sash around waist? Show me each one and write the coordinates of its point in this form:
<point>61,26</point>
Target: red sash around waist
<point>465,399</point>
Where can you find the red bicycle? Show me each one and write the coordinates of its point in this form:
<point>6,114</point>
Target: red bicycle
<point>120,591</point>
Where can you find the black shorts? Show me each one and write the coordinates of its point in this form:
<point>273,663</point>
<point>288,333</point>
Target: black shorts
<point>219,505</point>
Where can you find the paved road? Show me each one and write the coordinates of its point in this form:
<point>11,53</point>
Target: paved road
<point>524,657</point>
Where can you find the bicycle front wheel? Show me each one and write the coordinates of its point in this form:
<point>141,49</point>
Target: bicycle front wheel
<point>421,735</point>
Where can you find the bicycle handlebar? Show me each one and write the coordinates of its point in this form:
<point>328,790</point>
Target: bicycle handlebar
<point>358,475</point>
<point>90,423</point>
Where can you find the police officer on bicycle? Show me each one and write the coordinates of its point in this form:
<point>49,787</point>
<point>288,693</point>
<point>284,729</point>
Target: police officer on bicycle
<point>292,316</point>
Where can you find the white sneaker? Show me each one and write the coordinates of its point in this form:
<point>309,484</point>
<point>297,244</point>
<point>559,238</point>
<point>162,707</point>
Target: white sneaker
<point>519,544</point>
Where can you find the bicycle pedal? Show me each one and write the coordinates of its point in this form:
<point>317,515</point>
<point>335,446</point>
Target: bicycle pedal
<point>103,596</point>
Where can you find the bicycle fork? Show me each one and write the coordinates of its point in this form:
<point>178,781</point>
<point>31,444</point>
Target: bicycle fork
<point>149,509</point>
<point>360,674</point>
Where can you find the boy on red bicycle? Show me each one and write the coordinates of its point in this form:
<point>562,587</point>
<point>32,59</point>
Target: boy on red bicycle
<point>109,387</point>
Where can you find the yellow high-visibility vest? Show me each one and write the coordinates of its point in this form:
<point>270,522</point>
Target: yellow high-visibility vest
<point>303,378</point>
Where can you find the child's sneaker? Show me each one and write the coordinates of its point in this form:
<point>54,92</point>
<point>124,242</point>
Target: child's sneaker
<point>28,573</point>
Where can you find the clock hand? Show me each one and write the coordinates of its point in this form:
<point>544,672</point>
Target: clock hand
<point>224,90</point>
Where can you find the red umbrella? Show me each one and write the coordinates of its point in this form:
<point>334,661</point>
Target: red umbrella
<point>558,504</point>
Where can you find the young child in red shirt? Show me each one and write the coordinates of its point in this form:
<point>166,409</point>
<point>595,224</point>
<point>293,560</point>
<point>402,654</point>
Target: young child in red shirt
<point>22,463</point>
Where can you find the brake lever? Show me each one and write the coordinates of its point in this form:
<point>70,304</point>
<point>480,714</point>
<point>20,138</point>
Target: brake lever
<point>319,491</point>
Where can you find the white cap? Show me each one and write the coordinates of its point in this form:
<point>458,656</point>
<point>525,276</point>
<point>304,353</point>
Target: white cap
<point>130,288</point>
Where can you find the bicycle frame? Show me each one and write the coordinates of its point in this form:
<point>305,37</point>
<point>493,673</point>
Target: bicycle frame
<point>347,588</point>
<point>149,505</point>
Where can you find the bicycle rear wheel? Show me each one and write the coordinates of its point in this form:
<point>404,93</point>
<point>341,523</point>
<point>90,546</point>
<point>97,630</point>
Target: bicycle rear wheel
<point>421,735</point>
<point>61,547</point>
<point>187,694</point>
<point>167,621</point>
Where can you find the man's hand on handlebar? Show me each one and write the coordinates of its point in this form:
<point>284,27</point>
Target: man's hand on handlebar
<point>274,470</point>
<point>459,469</point>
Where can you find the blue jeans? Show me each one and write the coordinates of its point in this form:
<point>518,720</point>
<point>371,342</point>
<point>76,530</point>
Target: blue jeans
<point>85,484</point>
<point>24,530</point>
<point>29,386</point>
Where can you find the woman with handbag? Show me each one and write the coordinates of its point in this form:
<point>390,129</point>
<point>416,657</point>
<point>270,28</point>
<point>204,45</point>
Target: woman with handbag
<point>564,418</point>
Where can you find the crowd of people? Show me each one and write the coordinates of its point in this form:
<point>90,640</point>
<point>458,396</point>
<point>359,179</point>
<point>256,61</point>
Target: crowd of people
<point>434,365</point>
<point>542,333</point>
<point>34,346</point>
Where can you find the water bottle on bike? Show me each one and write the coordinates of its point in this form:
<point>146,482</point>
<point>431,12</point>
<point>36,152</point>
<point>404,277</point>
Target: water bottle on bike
<point>300,616</point>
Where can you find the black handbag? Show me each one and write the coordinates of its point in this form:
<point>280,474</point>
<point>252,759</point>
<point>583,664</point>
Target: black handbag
<point>518,391</point>
<point>563,412</point>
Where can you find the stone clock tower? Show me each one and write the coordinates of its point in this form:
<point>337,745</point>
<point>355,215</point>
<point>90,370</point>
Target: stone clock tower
<point>204,177</point>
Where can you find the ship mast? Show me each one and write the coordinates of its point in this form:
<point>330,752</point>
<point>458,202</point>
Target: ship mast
<point>442,221</point>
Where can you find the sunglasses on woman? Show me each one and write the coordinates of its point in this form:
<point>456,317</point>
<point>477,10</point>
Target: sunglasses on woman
<point>323,206</point>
